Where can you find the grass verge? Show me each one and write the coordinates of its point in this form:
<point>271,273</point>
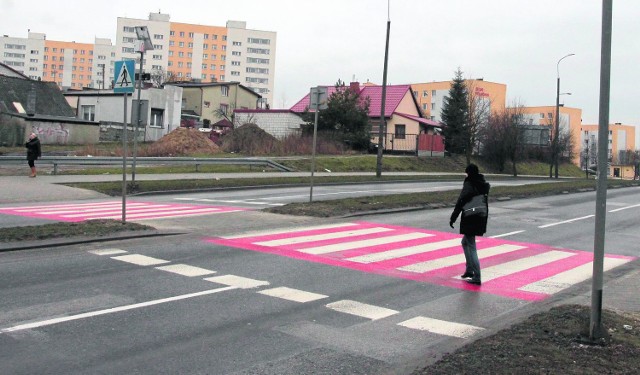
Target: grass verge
<point>341,207</point>
<point>552,342</point>
<point>90,228</point>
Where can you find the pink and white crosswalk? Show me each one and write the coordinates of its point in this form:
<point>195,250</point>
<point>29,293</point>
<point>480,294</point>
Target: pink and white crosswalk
<point>511,269</point>
<point>113,210</point>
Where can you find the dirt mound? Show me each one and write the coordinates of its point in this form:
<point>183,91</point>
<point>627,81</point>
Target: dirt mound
<point>183,142</point>
<point>250,139</point>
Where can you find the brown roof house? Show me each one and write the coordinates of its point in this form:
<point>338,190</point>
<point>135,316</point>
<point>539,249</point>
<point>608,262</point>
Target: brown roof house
<point>28,105</point>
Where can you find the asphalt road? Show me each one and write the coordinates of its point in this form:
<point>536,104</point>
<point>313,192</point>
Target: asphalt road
<point>230,299</point>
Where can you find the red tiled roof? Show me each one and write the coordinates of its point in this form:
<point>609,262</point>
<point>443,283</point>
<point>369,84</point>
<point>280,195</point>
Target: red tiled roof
<point>394,96</point>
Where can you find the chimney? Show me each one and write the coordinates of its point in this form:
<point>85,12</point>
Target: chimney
<point>31,101</point>
<point>355,86</point>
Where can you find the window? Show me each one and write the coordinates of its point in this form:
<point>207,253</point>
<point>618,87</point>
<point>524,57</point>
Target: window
<point>180,44</point>
<point>259,41</point>
<point>424,93</point>
<point>235,73</point>
<point>181,34</point>
<point>224,108</point>
<point>236,53</point>
<point>172,33</point>
<point>190,35</point>
<point>425,106</point>
<point>205,56</point>
<point>156,117</point>
<point>433,106</point>
<point>221,67</point>
<point>541,115</point>
<point>235,63</point>
<point>205,46</point>
<point>549,115</point>
<point>264,51</point>
<point>237,43</point>
<point>400,131</point>
<point>88,112</point>
<point>205,36</point>
<point>128,29</point>
<point>433,92</point>
<point>158,36</point>
<point>224,37</point>
<point>190,45</point>
<point>222,78</point>
<point>224,90</point>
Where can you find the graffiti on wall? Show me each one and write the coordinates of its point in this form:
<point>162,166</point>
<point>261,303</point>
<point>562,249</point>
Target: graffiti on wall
<point>52,133</point>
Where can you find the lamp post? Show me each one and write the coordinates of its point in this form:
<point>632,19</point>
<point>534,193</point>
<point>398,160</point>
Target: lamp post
<point>556,157</point>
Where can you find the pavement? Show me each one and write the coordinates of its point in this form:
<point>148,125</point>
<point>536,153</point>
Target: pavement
<point>619,290</point>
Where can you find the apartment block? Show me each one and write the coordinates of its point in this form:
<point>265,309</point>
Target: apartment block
<point>69,64</point>
<point>621,138</point>
<point>200,53</point>
<point>430,95</point>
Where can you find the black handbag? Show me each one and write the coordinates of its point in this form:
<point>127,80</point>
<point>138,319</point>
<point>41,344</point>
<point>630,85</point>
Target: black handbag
<point>477,206</point>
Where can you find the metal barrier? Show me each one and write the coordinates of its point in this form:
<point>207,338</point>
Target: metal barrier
<point>106,160</point>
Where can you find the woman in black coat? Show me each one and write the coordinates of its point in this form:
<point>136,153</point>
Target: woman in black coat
<point>471,226</point>
<point>33,152</point>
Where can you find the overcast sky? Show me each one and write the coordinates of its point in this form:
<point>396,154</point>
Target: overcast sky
<point>515,42</point>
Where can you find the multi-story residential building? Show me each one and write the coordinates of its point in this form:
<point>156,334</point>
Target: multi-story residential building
<point>188,52</point>
<point>69,64</point>
<point>430,95</point>
<point>570,121</point>
<point>621,138</point>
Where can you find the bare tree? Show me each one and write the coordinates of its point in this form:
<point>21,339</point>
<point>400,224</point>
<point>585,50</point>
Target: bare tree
<point>502,137</point>
<point>159,77</point>
<point>564,147</point>
<point>479,110</point>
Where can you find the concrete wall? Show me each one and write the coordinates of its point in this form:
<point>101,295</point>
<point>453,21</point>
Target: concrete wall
<point>61,133</point>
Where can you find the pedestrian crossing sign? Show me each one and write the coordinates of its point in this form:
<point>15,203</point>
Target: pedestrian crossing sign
<point>124,81</point>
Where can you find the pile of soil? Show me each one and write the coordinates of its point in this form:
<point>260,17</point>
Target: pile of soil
<point>250,139</point>
<point>181,142</point>
<point>553,342</point>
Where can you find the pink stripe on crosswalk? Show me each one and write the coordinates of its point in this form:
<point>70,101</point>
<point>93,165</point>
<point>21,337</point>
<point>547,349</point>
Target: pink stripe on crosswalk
<point>113,210</point>
<point>420,255</point>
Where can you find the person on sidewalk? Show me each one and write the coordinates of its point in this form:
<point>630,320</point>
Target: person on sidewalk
<point>471,226</point>
<point>34,151</point>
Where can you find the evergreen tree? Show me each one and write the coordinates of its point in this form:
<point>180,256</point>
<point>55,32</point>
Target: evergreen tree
<point>455,116</point>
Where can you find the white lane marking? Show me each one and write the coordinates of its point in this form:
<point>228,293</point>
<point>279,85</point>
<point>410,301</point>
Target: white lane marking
<point>566,221</point>
<point>364,243</point>
<point>290,231</point>
<point>173,214</point>
<point>324,236</point>
<point>294,295</point>
<point>624,208</point>
<point>237,281</point>
<point>130,210</point>
<point>452,260</point>
<point>441,327</point>
<point>186,270</point>
<point>361,309</point>
<point>563,280</point>
<point>505,269</point>
<point>140,260</point>
<point>507,234</point>
<point>399,253</point>
<point>112,310</point>
<point>229,201</point>
<point>103,252</point>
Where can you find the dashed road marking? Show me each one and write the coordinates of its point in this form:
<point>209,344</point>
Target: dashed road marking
<point>103,252</point>
<point>294,295</point>
<point>186,270</point>
<point>441,327</point>
<point>361,309</point>
<point>140,260</point>
<point>237,281</point>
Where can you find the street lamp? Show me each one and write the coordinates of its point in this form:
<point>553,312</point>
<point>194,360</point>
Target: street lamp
<point>556,157</point>
<point>144,44</point>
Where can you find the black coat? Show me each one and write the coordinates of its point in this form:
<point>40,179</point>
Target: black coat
<point>33,149</point>
<point>471,225</point>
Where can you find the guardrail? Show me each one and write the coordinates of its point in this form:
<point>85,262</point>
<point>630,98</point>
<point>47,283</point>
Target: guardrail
<point>107,160</point>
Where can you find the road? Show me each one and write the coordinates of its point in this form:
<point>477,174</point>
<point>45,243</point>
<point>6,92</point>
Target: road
<point>246,292</point>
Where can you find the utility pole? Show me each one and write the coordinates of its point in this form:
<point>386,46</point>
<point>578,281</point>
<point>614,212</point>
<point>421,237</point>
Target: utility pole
<point>383,124</point>
<point>595,326</point>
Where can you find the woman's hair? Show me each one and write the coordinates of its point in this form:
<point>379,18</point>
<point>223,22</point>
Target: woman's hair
<point>472,170</point>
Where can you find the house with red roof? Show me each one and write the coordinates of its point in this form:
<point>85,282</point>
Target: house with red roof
<point>402,115</point>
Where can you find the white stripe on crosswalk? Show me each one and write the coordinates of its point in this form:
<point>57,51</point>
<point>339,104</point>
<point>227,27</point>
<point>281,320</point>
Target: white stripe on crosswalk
<point>290,231</point>
<point>403,252</point>
<point>434,264</point>
<point>237,281</point>
<point>186,270</point>
<point>108,252</point>
<point>80,211</point>
<point>63,206</point>
<point>115,210</point>
<point>364,243</point>
<point>441,327</point>
<point>140,260</point>
<point>523,264</point>
<point>361,309</point>
<point>294,295</point>
<point>324,236</point>
<point>563,280</point>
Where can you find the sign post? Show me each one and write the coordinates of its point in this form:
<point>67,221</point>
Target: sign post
<point>318,101</point>
<point>125,84</point>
